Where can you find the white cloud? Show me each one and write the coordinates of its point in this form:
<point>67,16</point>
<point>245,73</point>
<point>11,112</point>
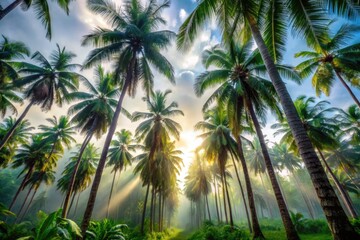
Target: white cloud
<point>183,15</point>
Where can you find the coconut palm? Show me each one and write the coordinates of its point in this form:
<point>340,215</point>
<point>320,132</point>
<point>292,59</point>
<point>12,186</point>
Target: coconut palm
<point>92,114</point>
<point>333,59</point>
<point>85,171</point>
<point>10,51</point>
<point>41,8</point>
<point>307,19</point>
<point>20,136</point>
<point>134,43</point>
<point>58,134</point>
<point>46,83</point>
<point>349,122</point>
<point>237,73</point>
<point>321,130</point>
<point>120,156</point>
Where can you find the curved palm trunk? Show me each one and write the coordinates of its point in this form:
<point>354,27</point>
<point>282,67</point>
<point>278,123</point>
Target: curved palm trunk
<point>254,219</point>
<point>341,190</point>
<point>22,185</point>
<point>25,200</point>
<point>28,206</point>
<point>285,216</point>
<point>347,87</point>
<point>242,193</point>
<point>101,165</point>
<point>72,201</point>
<point>12,130</point>
<point>207,206</point>
<point>229,203</point>
<point>73,176</point>
<point>111,190</point>
<point>152,208</point>
<point>9,8</point>
<point>144,209</point>
<point>338,222</point>
<point>224,197</point>
<point>216,203</point>
<point>76,205</point>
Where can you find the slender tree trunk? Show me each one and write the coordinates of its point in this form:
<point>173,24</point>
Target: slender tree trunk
<point>28,206</point>
<point>9,8</point>
<point>111,190</point>
<point>242,193</point>
<point>220,207</point>
<point>216,203</point>
<point>224,197</point>
<point>229,203</point>
<point>25,200</point>
<point>101,165</point>
<point>285,216</point>
<point>144,209</point>
<point>13,128</point>
<point>338,222</point>
<point>73,175</point>
<point>152,208</point>
<point>347,87</point>
<point>207,205</point>
<point>162,212</point>
<point>22,185</point>
<point>159,219</point>
<point>76,205</point>
<point>254,219</point>
<point>338,185</point>
<point>72,201</point>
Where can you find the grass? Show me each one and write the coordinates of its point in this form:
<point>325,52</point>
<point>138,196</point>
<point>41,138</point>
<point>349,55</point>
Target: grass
<point>280,235</point>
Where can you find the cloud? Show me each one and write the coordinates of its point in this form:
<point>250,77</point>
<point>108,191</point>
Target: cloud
<point>183,15</point>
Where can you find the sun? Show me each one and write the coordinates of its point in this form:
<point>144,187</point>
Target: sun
<point>188,144</point>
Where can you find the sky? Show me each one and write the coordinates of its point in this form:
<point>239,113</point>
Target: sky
<point>69,30</point>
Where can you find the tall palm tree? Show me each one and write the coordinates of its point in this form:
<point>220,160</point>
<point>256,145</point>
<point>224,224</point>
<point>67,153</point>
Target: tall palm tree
<point>20,136</point>
<point>134,42</point>
<point>307,19</point>
<point>92,115</point>
<point>333,59</point>
<point>157,128</point>
<point>321,130</point>
<point>120,156</point>
<point>349,122</point>
<point>10,51</point>
<point>41,8</point>
<point>58,134</point>
<point>46,83</point>
<point>86,170</point>
<point>237,75</point>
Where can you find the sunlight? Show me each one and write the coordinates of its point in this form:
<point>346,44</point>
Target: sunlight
<point>189,142</point>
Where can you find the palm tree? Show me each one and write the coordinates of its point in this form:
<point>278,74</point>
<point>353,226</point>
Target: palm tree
<point>58,134</point>
<point>307,19</point>
<point>120,156</point>
<point>86,170</point>
<point>10,50</point>
<point>156,129</point>
<point>321,131</point>
<point>333,58</point>
<point>134,43</point>
<point>41,8</point>
<point>237,73</point>
<point>20,136</point>
<point>349,122</point>
<point>92,115</point>
<point>47,82</point>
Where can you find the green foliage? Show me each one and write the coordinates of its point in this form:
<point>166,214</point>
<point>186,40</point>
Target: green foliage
<point>209,231</point>
<point>303,225</point>
<point>54,227</point>
<point>106,230</point>
<point>356,223</point>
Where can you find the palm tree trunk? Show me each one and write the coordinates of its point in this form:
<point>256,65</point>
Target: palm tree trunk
<point>76,205</point>
<point>72,201</point>
<point>285,216</point>
<point>220,207</point>
<point>73,176</point>
<point>111,190</point>
<point>338,185</point>
<point>9,8</point>
<point>229,203</point>
<point>224,197</point>
<point>144,209</point>
<point>216,203</point>
<point>13,128</point>
<point>254,219</point>
<point>162,212</point>
<point>22,185</point>
<point>25,200</point>
<point>347,87</point>
<point>242,193</point>
<point>338,222</point>
<point>28,206</point>
<point>152,208</point>
<point>102,161</point>
<point>159,220</point>
<point>207,206</point>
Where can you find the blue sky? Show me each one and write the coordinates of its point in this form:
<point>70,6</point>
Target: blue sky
<point>69,30</point>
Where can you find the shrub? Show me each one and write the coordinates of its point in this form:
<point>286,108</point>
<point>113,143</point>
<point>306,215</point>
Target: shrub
<point>209,231</point>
